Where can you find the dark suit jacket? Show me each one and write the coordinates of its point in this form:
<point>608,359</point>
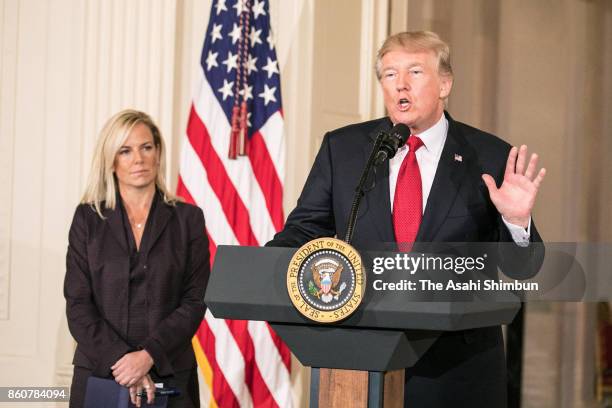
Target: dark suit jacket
<point>96,286</point>
<point>458,210</point>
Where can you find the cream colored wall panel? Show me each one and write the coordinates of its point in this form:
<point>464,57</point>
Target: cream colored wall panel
<point>103,80</point>
<point>28,165</point>
<point>338,44</point>
<point>398,15</point>
<point>376,15</point>
<point>285,17</point>
<point>154,60</point>
<point>169,67</point>
<point>344,86</point>
<point>143,60</point>
<point>46,159</point>
<point>8,73</point>
<point>2,26</point>
<point>130,50</point>
<point>118,40</point>
<point>89,98</point>
<point>367,53</point>
<point>332,69</point>
<point>61,183</point>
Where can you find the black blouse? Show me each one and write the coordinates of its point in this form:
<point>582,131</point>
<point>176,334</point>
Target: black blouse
<point>137,303</point>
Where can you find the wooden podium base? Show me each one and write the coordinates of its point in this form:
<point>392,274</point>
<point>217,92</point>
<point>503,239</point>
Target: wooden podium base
<point>330,388</point>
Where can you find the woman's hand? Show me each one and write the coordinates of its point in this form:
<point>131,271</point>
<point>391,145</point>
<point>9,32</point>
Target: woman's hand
<point>145,383</point>
<point>132,367</point>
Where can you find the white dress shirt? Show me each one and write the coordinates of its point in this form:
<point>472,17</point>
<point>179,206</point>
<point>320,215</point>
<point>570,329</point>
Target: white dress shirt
<point>428,157</point>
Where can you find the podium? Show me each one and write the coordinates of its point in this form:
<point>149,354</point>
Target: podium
<point>360,361</point>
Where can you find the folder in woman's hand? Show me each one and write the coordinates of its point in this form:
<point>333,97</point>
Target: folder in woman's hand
<point>106,393</point>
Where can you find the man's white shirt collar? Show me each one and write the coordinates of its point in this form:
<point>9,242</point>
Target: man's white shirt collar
<point>434,137</point>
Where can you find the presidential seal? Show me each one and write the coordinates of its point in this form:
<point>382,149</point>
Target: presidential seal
<point>326,280</point>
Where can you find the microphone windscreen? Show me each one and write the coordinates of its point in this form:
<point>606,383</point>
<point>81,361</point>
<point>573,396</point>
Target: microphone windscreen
<point>402,132</point>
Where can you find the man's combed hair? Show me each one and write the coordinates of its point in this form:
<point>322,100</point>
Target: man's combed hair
<point>102,184</point>
<point>415,41</point>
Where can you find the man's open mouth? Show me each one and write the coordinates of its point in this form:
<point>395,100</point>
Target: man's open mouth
<point>404,104</point>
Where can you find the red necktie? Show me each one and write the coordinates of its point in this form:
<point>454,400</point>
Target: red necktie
<point>408,199</point>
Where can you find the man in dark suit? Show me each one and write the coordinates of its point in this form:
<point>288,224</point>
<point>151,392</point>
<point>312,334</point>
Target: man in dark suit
<point>441,187</point>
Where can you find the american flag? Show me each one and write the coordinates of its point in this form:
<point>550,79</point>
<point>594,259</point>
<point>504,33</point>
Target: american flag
<point>243,363</point>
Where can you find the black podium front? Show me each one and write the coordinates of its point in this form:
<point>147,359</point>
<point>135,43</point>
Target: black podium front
<point>390,331</point>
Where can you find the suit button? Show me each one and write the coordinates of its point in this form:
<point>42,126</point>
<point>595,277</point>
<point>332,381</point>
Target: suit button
<point>144,267</point>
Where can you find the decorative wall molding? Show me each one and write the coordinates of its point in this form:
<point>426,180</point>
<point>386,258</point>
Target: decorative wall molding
<point>9,16</point>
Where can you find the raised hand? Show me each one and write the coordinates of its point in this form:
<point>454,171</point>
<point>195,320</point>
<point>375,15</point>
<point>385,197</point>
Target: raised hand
<point>515,198</point>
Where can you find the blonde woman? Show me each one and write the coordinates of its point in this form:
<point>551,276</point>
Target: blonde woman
<point>136,269</point>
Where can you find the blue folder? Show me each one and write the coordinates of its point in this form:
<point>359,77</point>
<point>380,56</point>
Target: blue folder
<point>106,393</point>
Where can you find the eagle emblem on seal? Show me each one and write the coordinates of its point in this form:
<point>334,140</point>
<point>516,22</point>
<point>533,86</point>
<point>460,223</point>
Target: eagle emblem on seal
<point>326,280</point>
<point>326,274</point>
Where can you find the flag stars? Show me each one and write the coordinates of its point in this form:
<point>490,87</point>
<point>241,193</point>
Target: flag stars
<point>235,33</point>
<point>251,64</point>
<point>258,9</point>
<point>271,67</point>
<point>268,94</point>
<point>226,89</point>
<point>215,33</point>
<point>240,6</point>
<point>220,6</point>
<point>254,36</point>
<point>231,62</point>
<point>247,92</point>
<point>211,60</point>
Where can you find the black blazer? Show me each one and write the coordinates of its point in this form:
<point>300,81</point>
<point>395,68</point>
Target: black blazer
<point>458,210</point>
<point>176,259</point>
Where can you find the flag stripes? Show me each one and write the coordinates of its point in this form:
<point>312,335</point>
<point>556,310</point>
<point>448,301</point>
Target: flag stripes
<point>244,363</point>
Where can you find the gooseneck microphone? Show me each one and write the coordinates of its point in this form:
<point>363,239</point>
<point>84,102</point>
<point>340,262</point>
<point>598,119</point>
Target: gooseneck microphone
<point>385,147</point>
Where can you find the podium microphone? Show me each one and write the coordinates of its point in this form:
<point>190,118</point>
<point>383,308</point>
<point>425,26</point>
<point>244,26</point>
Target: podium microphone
<point>391,142</point>
<point>385,147</point>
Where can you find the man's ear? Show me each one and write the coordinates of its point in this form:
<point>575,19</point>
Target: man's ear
<point>446,84</point>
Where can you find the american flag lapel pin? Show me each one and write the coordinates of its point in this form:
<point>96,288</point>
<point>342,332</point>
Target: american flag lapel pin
<point>458,158</point>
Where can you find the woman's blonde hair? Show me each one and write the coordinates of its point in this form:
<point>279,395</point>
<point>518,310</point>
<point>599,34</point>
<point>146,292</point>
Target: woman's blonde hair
<point>102,183</point>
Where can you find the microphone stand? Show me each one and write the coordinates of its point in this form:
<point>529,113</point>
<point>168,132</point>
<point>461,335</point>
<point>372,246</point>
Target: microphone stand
<point>359,190</point>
